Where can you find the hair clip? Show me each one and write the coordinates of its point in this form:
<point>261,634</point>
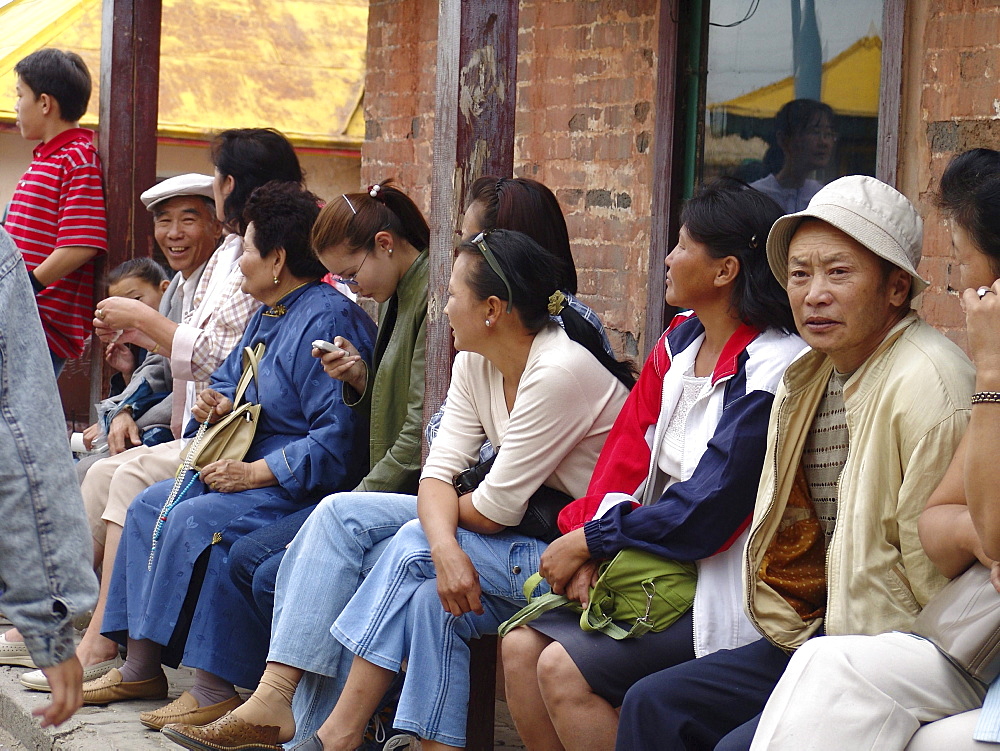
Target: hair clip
<point>557,301</point>
<point>373,190</point>
<point>496,188</point>
<point>753,242</point>
<point>350,204</point>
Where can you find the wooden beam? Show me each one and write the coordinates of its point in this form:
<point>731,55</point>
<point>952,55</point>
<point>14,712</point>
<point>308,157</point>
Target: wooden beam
<point>130,85</point>
<point>890,91</point>
<point>666,191</point>
<point>474,109</point>
<point>473,135</point>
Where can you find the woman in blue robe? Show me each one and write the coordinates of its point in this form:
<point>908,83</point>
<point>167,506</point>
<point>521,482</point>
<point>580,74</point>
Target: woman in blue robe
<point>173,601</point>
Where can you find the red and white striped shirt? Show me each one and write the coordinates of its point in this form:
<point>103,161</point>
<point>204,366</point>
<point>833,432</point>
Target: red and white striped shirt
<point>59,202</point>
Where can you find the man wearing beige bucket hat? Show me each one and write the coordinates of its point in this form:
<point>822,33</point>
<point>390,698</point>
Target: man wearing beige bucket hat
<point>862,429</point>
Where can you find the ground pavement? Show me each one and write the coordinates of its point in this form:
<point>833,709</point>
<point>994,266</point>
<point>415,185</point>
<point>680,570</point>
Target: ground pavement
<point>116,727</point>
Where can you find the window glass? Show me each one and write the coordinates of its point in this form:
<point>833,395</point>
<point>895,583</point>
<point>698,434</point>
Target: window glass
<point>791,93</point>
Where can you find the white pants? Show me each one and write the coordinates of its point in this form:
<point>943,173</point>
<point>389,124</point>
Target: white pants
<point>863,692</point>
<point>952,733</point>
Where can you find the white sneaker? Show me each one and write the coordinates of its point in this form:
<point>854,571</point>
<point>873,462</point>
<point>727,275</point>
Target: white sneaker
<point>36,680</point>
<point>15,653</point>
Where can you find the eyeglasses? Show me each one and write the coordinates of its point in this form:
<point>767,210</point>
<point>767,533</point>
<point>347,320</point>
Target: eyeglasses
<point>480,242</point>
<point>352,279</point>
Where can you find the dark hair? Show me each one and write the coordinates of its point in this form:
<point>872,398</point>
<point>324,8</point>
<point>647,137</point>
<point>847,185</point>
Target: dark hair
<point>252,157</point>
<point>797,115</point>
<point>283,214</point>
<point>527,206</point>
<point>139,268</point>
<point>970,195</point>
<point>732,219</point>
<point>62,75</point>
<point>533,274</point>
<point>355,218</point>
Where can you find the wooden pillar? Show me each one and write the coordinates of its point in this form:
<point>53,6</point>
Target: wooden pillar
<point>666,189</point>
<point>130,84</point>
<point>890,88</point>
<point>473,135</point>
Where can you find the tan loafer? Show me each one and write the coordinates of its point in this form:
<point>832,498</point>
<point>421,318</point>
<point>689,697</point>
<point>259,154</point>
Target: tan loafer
<point>111,688</point>
<point>227,734</point>
<point>36,680</point>
<point>185,709</point>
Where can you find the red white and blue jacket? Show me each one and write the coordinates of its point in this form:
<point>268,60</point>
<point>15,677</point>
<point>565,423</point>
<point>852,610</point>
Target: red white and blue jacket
<point>703,516</point>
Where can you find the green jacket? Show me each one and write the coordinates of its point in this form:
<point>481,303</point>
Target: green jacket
<point>396,386</point>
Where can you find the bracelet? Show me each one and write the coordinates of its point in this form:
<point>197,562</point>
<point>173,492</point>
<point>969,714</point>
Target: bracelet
<point>155,349</point>
<point>35,284</point>
<point>986,397</point>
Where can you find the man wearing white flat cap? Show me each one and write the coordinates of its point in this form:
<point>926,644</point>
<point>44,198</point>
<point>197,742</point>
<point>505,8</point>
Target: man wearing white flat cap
<point>862,429</point>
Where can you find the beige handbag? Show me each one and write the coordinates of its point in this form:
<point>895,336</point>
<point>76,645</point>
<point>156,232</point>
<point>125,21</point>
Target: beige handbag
<point>963,621</point>
<point>230,437</point>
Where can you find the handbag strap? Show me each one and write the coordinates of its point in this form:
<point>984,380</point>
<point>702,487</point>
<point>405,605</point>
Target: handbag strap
<point>251,361</point>
<point>535,607</point>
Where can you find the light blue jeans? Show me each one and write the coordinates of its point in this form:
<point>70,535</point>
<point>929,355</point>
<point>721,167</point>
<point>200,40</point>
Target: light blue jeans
<point>322,569</point>
<point>396,615</point>
<point>45,548</point>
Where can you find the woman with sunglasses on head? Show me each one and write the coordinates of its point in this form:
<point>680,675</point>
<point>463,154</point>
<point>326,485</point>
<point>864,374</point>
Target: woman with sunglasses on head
<point>520,381</point>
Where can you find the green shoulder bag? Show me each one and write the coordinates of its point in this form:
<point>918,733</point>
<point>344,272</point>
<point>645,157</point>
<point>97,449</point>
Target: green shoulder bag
<point>635,588</point>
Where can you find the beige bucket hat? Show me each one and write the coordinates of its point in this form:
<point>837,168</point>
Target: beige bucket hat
<point>873,213</point>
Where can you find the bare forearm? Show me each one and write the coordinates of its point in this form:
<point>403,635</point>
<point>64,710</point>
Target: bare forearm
<point>437,508</point>
<point>949,538</point>
<point>62,261</point>
<point>982,480</point>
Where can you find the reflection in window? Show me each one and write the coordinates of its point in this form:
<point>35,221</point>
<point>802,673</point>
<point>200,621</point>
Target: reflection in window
<point>791,94</point>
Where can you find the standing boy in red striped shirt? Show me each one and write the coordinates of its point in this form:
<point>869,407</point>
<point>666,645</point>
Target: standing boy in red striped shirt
<point>57,215</point>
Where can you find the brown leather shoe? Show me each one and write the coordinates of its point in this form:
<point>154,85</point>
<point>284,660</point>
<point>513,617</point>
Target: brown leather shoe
<point>110,688</point>
<point>227,734</point>
<point>185,709</point>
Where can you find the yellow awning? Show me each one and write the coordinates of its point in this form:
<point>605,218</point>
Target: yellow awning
<point>294,65</point>
<point>850,85</point>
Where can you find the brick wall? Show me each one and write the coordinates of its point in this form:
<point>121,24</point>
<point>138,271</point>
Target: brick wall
<point>583,127</point>
<point>952,59</point>
<point>586,75</point>
<point>399,95</point>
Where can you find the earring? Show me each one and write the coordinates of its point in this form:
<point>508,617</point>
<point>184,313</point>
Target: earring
<point>390,251</point>
<point>488,322</point>
<point>277,281</point>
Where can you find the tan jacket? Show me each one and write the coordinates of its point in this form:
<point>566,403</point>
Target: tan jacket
<point>907,408</point>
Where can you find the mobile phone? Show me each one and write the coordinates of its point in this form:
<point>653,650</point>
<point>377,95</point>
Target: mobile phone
<point>327,346</point>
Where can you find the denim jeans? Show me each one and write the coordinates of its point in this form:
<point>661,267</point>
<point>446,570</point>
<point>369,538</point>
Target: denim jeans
<point>320,572</point>
<point>45,548</point>
<point>397,614</point>
<point>254,560</point>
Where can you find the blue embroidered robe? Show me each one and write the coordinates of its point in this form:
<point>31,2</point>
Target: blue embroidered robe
<point>313,444</point>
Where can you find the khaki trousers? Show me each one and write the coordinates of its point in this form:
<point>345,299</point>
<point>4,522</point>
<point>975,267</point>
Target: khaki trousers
<point>864,693</point>
<point>113,483</point>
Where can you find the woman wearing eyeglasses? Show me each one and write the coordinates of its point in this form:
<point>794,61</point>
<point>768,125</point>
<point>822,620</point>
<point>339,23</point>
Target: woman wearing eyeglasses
<point>455,573</point>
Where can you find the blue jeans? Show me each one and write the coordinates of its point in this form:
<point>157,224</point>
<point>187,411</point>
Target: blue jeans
<point>45,548</point>
<point>320,572</point>
<point>397,615</point>
<point>255,558</point>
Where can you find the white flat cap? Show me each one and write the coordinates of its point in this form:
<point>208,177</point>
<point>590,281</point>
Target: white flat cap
<point>191,184</point>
